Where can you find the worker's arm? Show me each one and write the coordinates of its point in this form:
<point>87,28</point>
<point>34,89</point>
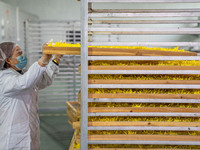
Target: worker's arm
<point>48,76</point>
<point>50,73</point>
<point>15,84</point>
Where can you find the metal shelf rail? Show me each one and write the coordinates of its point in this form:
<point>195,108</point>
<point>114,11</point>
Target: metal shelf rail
<point>90,16</point>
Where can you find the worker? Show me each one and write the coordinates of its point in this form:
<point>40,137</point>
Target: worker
<point>19,121</point>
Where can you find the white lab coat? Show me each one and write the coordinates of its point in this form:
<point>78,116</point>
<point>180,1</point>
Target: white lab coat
<point>19,121</point>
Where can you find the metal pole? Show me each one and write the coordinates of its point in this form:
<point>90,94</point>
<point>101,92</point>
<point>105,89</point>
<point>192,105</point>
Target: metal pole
<point>74,76</point>
<point>84,74</point>
<point>199,34</point>
<point>26,41</point>
<point>25,36</point>
<point>74,35</point>
<point>74,61</point>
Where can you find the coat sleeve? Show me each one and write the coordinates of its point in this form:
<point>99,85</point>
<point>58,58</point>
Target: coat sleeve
<point>15,84</point>
<point>48,76</point>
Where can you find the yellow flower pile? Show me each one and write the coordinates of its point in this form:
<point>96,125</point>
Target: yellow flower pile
<point>139,146</point>
<point>146,91</point>
<point>64,44</point>
<point>195,133</point>
<point>145,63</point>
<point>144,77</point>
<point>104,104</point>
<point>168,119</point>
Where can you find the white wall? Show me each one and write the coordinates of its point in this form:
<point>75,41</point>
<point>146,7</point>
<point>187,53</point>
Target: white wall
<point>50,9</point>
<point>70,9</point>
<point>8,22</point>
<point>12,23</point>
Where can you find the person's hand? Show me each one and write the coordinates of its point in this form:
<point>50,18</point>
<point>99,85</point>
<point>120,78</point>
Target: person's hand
<point>44,60</point>
<point>46,57</point>
<point>57,56</point>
